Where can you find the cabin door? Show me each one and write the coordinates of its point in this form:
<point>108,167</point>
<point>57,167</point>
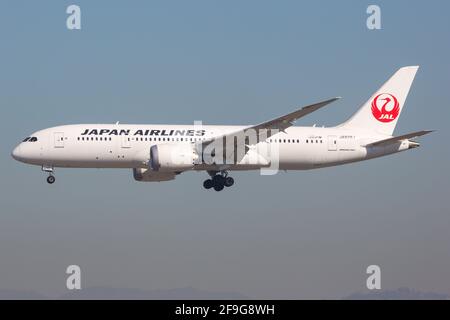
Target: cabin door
<point>58,139</point>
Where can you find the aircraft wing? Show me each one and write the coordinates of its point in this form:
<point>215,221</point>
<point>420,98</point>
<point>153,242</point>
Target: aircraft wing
<point>399,138</point>
<point>283,122</point>
<point>279,124</point>
<point>269,127</point>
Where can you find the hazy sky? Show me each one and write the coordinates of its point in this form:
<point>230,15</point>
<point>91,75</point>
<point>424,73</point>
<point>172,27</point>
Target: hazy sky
<point>296,235</point>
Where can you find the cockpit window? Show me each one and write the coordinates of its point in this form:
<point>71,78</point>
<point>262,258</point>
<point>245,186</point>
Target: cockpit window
<point>30,139</point>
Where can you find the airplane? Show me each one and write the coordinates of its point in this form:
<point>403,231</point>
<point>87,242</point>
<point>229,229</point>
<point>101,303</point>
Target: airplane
<point>161,152</point>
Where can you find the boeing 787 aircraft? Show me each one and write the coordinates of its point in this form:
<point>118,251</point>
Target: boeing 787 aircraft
<point>161,152</point>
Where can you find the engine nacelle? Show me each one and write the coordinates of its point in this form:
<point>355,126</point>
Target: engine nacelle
<point>140,174</point>
<point>172,157</point>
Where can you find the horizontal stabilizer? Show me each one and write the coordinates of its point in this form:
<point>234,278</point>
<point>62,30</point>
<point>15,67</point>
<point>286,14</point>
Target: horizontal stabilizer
<point>399,138</point>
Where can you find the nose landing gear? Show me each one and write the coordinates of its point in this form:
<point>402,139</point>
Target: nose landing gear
<point>218,181</point>
<point>51,178</point>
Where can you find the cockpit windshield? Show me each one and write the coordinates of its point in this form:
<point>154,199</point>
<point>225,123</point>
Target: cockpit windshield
<point>30,139</point>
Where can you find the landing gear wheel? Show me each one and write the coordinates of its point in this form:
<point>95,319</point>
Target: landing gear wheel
<point>51,179</point>
<point>219,182</point>
<point>219,187</point>
<point>229,181</point>
<point>208,184</point>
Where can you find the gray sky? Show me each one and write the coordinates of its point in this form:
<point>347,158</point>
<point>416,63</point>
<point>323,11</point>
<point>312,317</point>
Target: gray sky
<point>297,235</point>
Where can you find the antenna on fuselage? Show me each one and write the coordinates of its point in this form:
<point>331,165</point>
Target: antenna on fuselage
<point>117,122</point>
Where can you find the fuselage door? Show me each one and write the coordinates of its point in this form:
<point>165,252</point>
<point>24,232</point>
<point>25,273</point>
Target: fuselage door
<point>332,143</point>
<point>126,143</point>
<point>58,138</point>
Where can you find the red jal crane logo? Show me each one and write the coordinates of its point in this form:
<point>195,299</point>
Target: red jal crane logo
<point>385,107</point>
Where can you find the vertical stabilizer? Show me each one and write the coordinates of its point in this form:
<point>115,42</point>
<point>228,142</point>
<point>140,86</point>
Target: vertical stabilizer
<point>382,111</point>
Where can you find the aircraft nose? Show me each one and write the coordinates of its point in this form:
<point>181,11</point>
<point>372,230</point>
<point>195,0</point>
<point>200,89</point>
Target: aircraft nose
<point>16,153</point>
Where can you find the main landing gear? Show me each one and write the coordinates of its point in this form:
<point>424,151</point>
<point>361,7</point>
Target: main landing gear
<point>218,181</point>
<point>51,178</point>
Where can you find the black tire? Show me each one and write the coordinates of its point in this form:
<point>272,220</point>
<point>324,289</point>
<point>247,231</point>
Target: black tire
<point>229,181</point>
<point>208,184</point>
<point>218,182</point>
<point>219,187</point>
<point>218,179</point>
<point>50,179</point>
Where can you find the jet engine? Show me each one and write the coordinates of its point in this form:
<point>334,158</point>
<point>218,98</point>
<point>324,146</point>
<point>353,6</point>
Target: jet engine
<point>172,157</point>
<point>147,175</point>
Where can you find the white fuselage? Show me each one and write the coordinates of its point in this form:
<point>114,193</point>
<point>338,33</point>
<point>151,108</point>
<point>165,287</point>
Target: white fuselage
<point>160,152</point>
<point>127,146</point>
